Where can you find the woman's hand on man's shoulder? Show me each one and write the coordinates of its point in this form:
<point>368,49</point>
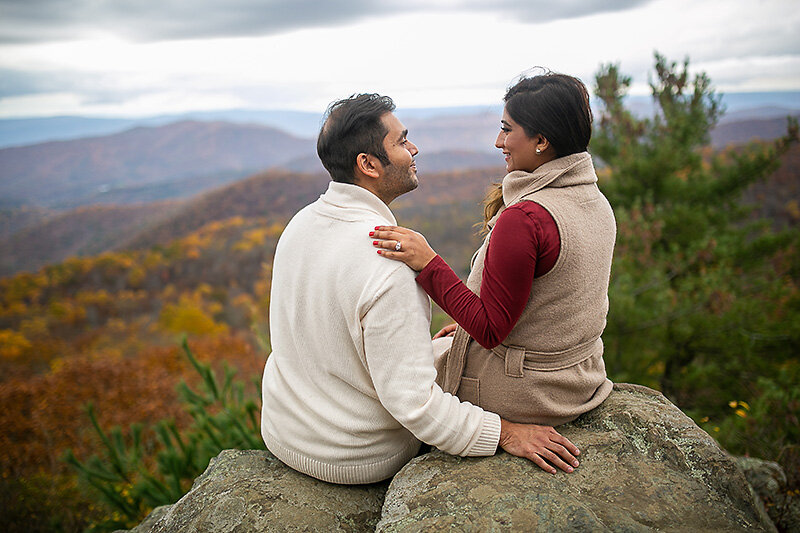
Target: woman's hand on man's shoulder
<point>403,244</point>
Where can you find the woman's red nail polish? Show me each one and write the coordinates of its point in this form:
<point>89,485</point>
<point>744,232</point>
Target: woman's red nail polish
<point>371,233</point>
<point>375,242</point>
<point>376,227</point>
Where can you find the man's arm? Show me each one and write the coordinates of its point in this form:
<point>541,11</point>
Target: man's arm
<point>399,356</point>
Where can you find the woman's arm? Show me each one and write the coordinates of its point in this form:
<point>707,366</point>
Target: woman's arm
<point>519,248</point>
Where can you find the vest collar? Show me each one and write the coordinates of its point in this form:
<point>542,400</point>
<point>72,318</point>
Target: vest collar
<point>573,169</point>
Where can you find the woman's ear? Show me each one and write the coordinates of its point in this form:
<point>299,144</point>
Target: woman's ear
<point>542,144</point>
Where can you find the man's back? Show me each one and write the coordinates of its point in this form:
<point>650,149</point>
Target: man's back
<point>349,387</point>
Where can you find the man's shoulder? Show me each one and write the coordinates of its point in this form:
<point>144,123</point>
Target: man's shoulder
<point>359,262</point>
<point>345,217</point>
<point>341,244</point>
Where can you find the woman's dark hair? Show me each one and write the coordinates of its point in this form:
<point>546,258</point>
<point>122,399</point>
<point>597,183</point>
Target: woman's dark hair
<point>352,126</point>
<point>555,106</point>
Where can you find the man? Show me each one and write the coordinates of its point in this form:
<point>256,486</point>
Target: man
<point>349,389</point>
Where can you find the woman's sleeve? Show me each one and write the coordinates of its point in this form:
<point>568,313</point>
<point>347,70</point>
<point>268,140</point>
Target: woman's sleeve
<point>509,269</point>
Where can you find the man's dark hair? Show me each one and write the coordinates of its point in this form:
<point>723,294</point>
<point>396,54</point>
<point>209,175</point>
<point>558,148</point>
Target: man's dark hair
<point>554,105</point>
<point>352,126</point>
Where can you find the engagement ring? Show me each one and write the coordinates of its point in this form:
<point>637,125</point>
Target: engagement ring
<point>397,246</point>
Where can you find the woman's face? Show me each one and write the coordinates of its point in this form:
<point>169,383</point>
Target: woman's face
<point>519,149</point>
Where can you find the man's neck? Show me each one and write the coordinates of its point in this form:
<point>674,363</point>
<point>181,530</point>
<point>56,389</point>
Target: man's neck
<point>370,186</point>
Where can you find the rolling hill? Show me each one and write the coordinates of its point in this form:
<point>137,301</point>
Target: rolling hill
<point>747,129</point>
<point>444,207</point>
<point>84,171</point>
<point>14,219</point>
<point>84,231</point>
<point>274,195</point>
<point>427,162</point>
<point>277,195</point>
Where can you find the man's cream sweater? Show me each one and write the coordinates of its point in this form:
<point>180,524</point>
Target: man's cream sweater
<point>349,388</point>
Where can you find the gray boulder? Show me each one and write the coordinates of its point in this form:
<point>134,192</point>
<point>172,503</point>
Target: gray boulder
<point>645,466</point>
<point>768,480</point>
<point>250,490</point>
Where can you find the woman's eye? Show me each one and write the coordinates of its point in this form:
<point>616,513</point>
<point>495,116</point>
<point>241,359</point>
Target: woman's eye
<point>504,129</point>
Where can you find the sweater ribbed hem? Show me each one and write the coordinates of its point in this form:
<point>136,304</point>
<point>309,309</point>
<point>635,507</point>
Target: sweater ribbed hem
<point>344,474</point>
<point>489,437</point>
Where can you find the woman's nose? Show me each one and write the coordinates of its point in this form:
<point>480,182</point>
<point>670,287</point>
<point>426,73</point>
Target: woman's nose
<point>500,141</point>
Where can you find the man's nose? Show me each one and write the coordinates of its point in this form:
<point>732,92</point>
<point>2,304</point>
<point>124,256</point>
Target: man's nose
<point>412,148</point>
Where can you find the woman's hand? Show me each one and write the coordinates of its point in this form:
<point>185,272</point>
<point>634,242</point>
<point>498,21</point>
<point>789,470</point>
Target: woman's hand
<point>541,444</point>
<point>414,250</point>
<point>447,331</point>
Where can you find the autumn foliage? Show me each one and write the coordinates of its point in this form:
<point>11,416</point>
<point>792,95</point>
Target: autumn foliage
<point>105,330</point>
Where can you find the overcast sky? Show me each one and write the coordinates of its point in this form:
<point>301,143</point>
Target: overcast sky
<point>141,57</point>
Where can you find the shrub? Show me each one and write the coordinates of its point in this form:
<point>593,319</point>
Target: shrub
<point>134,474</point>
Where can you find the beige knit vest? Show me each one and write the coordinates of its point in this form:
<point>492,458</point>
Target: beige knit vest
<point>550,368</point>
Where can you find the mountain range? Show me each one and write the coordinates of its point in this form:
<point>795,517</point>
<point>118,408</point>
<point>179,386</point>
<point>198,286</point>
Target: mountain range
<point>148,185</point>
<point>35,130</point>
<point>178,160</point>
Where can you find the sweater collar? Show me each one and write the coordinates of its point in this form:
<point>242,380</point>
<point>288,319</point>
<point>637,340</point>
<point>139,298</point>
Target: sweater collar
<point>348,202</point>
<point>573,169</point>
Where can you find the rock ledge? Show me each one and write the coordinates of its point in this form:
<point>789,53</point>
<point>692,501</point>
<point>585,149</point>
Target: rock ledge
<point>645,466</point>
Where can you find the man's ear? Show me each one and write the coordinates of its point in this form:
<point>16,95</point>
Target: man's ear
<point>368,165</point>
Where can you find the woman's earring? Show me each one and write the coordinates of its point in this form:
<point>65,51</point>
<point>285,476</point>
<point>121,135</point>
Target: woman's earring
<point>538,151</point>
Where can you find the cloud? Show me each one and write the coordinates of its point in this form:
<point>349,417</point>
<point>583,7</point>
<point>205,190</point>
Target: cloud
<point>93,88</point>
<point>129,56</point>
<point>540,11</point>
<point>24,21</point>
<point>18,82</point>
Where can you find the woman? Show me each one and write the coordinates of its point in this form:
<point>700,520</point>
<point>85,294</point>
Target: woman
<point>535,303</point>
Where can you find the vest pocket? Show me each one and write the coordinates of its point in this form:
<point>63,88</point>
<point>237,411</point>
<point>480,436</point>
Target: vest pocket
<point>469,390</point>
